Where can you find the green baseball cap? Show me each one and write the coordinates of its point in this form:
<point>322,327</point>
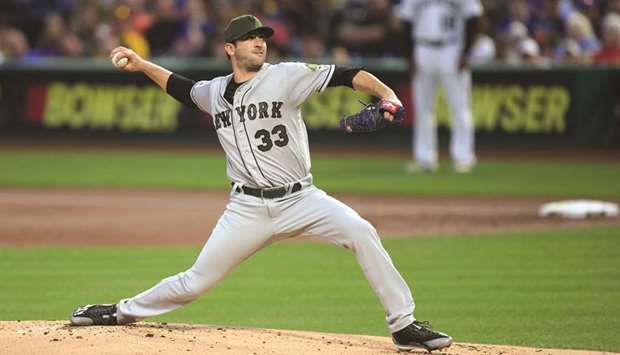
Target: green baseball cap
<point>242,25</point>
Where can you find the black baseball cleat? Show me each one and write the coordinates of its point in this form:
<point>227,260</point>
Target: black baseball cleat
<point>94,314</point>
<point>420,335</point>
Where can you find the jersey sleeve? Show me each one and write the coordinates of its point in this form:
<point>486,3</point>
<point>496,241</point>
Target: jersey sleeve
<point>404,10</point>
<point>472,8</point>
<point>303,80</point>
<point>200,95</point>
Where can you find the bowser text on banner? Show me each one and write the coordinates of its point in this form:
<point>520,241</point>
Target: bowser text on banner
<point>127,108</point>
<point>534,109</point>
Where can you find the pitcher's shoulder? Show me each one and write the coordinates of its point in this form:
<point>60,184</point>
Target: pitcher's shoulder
<point>299,66</point>
<point>219,79</point>
<point>277,69</point>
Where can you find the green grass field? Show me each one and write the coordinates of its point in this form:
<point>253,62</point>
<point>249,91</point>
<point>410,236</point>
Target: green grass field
<point>548,289</point>
<point>381,175</point>
<point>551,289</point>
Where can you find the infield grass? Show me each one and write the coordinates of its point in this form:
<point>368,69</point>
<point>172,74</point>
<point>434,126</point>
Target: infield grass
<point>548,289</point>
<point>375,175</point>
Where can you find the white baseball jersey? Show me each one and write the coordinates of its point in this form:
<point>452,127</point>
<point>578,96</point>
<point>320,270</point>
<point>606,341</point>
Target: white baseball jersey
<point>262,132</point>
<point>438,20</point>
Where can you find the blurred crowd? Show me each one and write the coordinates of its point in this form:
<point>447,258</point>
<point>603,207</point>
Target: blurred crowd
<point>514,31</point>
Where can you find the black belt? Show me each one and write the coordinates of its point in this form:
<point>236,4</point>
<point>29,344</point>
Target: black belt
<point>432,43</point>
<point>268,192</point>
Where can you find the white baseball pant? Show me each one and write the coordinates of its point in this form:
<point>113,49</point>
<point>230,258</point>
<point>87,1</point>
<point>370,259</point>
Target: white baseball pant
<point>434,67</point>
<point>250,223</point>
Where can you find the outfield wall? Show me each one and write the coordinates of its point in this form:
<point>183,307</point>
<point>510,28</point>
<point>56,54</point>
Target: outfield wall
<point>566,106</point>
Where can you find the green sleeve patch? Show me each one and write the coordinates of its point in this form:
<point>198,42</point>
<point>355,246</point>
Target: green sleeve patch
<point>312,67</point>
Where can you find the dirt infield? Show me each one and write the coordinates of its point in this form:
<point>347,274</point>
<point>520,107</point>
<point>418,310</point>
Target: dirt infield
<point>57,337</point>
<point>115,217</point>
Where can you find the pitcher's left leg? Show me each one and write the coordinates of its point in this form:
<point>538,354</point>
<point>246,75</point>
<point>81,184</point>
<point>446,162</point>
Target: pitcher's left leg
<point>322,216</point>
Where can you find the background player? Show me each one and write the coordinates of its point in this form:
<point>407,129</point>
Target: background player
<point>256,112</point>
<point>442,33</point>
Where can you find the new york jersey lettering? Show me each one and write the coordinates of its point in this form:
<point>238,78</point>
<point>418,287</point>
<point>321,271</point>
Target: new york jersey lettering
<point>250,112</point>
<point>222,119</point>
<point>276,107</point>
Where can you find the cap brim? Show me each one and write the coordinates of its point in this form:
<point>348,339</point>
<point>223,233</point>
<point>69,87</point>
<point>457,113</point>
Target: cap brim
<point>264,30</point>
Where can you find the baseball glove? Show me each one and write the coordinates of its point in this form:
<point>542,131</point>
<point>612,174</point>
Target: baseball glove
<point>371,117</point>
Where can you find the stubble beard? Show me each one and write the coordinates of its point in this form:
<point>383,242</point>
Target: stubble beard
<point>254,67</point>
<point>251,64</point>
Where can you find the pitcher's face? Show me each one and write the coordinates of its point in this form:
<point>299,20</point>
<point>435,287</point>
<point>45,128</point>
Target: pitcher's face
<point>250,52</point>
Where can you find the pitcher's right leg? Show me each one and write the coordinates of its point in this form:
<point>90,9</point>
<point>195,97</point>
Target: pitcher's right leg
<point>241,231</point>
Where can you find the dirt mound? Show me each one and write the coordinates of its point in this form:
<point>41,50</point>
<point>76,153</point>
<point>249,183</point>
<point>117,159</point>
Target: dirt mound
<point>57,337</point>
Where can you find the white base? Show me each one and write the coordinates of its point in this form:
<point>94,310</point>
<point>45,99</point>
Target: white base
<point>578,209</point>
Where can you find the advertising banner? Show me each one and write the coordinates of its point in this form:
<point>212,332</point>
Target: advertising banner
<point>572,105</point>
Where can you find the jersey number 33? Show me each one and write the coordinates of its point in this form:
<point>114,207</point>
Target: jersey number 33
<point>277,136</point>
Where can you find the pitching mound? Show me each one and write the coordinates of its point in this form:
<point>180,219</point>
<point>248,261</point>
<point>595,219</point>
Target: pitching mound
<point>57,337</point>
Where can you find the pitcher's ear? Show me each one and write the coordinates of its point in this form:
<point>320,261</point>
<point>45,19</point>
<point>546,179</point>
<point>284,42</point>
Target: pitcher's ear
<point>229,48</point>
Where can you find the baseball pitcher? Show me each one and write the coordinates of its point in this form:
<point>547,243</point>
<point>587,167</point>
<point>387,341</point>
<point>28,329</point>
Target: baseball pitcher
<point>442,32</point>
<point>256,113</point>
